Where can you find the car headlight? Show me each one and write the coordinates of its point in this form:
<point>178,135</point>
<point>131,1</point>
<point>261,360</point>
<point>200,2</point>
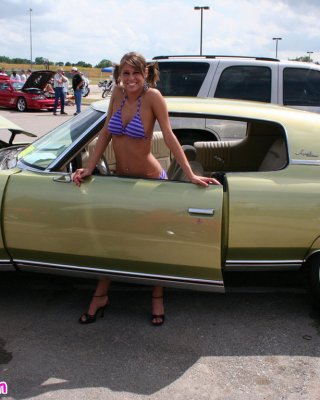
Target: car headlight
<point>39,97</point>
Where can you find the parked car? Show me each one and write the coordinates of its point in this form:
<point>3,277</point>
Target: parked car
<point>288,83</point>
<point>263,217</point>
<point>29,95</point>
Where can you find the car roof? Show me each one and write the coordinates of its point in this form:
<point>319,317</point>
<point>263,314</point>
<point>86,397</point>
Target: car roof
<point>235,60</point>
<point>301,127</point>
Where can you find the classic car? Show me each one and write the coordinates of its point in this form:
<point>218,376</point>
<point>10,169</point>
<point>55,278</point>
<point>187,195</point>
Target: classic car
<point>29,95</point>
<point>263,217</point>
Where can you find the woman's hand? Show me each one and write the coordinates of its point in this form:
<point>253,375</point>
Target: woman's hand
<point>79,175</point>
<point>204,181</point>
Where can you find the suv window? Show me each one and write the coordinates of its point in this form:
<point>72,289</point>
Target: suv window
<point>245,83</point>
<point>301,87</point>
<point>181,78</point>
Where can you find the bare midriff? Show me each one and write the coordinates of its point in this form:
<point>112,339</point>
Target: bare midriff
<point>134,157</point>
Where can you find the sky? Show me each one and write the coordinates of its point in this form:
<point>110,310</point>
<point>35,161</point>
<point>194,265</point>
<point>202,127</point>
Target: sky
<point>93,30</point>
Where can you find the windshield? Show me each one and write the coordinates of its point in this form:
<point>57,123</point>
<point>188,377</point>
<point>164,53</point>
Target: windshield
<point>44,151</point>
<point>17,85</point>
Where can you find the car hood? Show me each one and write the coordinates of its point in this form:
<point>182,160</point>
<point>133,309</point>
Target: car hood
<point>10,129</point>
<point>38,79</point>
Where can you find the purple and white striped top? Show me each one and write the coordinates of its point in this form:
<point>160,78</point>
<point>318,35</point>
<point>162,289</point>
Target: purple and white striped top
<point>133,129</point>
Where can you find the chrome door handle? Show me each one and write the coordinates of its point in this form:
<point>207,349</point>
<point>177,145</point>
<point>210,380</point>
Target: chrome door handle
<point>201,211</point>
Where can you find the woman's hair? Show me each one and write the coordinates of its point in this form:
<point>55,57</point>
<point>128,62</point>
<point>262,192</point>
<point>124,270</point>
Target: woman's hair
<point>137,61</point>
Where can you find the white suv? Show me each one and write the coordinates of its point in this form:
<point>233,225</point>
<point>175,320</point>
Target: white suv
<point>287,83</point>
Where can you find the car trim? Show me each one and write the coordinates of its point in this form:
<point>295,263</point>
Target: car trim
<point>262,265</point>
<point>124,276</point>
<point>305,162</point>
<point>6,265</point>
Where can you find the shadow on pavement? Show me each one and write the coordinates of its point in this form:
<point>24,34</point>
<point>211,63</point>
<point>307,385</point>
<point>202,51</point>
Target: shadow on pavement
<point>43,348</point>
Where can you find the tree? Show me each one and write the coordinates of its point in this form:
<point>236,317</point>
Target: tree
<point>83,64</point>
<point>104,63</point>
<point>39,60</point>
<point>302,58</point>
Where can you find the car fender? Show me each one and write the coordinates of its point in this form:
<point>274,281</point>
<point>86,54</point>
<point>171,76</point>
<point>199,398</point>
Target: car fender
<point>5,259</point>
<point>314,249</point>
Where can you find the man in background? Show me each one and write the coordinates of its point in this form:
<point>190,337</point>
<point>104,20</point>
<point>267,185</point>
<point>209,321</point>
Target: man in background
<point>77,85</point>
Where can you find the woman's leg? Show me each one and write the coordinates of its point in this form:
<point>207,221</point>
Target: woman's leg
<point>157,306</point>
<point>99,301</point>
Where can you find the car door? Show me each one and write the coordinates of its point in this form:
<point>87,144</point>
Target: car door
<point>5,94</point>
<point>126,226</point>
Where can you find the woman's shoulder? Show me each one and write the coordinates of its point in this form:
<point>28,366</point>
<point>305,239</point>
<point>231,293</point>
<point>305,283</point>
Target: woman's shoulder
<point>153,94</point>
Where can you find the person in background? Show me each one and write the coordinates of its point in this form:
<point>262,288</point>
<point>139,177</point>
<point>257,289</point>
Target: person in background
<point>28,73</point>
<point>3,71</point>
<point>65,88</point>
<point>48,88</point>
<point>58,82</point>
<point>15,77</point>
<point>134,107</point>
<point>23,76</point>
<point>77,85</point>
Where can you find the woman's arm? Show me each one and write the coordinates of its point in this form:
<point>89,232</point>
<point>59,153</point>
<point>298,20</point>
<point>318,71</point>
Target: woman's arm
<point>160,111</point>
<point>103,141</point>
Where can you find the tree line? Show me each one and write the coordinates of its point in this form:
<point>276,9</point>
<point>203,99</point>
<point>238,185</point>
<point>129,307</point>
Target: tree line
<point>44,61</point>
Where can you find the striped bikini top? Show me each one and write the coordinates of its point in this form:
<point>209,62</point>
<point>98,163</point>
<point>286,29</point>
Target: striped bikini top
<point>133,129</point>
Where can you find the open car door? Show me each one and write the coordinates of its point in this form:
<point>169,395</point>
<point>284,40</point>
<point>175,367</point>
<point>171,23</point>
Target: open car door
<point>163,231</point>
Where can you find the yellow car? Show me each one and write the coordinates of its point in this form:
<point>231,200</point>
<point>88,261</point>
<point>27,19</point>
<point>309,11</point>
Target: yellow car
<point>264,216</point>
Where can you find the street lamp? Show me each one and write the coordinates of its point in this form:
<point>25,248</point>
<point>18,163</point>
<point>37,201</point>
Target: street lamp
<point>30,11</point>
<point>277,39</point>
<point>201,25</point>
<point>310,52</point>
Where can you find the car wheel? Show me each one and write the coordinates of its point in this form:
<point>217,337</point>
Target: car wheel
<point>314,277</point>
<point>86,92</point>
<point>21,104</point>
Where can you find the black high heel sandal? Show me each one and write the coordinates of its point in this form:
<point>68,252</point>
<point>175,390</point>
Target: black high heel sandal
<point>88,318</point>
<point>157,317</point>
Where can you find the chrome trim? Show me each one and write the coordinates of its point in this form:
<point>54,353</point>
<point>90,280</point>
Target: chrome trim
<point>259,265</point>
<point>124,276</point>
<point>305,162</point>
<point>6,265</point>
<point>201,211</point>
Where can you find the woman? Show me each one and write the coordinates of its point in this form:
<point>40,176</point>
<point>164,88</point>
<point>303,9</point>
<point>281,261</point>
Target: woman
<point>134,107</point>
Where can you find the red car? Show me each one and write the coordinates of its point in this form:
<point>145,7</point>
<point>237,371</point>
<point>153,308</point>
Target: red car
<point>30,95</point>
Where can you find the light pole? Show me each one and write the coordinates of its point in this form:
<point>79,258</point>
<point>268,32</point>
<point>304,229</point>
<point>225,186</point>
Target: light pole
<point>310,52</point>
<point>277,39</point>
<point>30,11</point>
<point>201,8</point>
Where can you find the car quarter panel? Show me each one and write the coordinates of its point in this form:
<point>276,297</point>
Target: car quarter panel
<point>117,224</point>
<point>273,215</point>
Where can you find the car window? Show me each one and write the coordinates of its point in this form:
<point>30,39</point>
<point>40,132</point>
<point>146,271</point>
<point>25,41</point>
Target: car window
<point>44,151</point>
<point>264,148</point>
<point>301,87</point>
<point>4,86</point>
<point>181,78</point>
<point>245,83</point>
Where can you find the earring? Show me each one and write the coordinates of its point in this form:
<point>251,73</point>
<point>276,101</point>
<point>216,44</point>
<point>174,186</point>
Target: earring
<point>145,86</point>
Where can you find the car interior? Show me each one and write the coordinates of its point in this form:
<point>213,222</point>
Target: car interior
<point>263,148</point>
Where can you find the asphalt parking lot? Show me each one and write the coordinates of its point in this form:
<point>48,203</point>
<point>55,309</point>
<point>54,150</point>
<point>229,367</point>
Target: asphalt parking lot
<point>254,343</point>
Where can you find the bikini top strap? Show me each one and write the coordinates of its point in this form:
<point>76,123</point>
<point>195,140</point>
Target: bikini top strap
<point>123,101</point>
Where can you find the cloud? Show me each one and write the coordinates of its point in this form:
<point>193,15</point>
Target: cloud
<point>82,30</point>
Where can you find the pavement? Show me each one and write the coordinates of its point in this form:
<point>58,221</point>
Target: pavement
<point>41,122</point>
